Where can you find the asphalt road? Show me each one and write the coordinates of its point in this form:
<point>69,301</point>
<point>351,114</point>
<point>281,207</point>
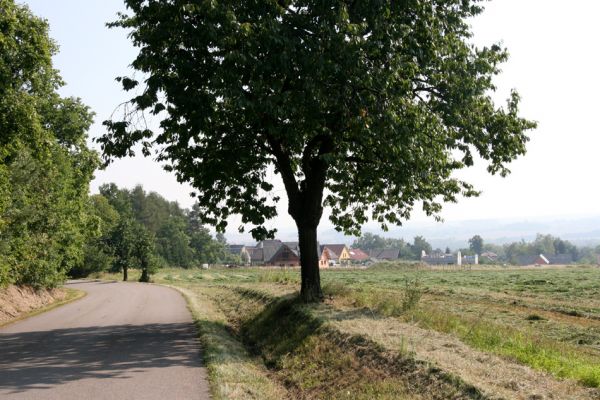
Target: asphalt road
<point>121,341</point>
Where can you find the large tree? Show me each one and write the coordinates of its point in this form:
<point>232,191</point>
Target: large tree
<point>366,107</point>
<point>45,164</point>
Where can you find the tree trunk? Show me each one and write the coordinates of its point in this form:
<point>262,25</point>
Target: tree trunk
<point>124,274</point>
<point>305,205</point>
<point>309,264</point>
<point>145,276</point>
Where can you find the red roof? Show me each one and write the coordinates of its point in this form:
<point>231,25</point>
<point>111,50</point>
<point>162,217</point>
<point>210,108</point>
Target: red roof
<point>358,255</point>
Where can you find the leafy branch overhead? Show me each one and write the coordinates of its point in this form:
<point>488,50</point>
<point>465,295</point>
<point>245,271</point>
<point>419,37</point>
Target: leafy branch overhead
<point>374,103</point>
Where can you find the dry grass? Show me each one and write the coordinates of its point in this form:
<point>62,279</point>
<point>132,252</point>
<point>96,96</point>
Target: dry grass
<point>497,329</point>
<point>495,376</point>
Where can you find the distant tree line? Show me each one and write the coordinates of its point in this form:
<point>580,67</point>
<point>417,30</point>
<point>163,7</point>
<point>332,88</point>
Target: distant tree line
<point>507,253</point>
<point>408,251</point>
<point>548,245</point>
<point>146,231</point>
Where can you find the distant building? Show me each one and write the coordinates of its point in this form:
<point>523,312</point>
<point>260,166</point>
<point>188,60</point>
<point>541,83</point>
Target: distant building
<point>385,254</point>
<point>449,259</point>
<point>560,259</point>
<point>490,256</point>
<point>333,254</point>
<point>357,256</point>
<point>541,259</point>
<point>439,259</point>
<point>271,253</point>
<point>235,249</point>
<point>294,246</point>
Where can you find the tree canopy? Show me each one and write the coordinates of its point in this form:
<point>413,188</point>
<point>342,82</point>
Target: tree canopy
<point>140,228</point>
<point>45,165</point>
<point>364,107</point>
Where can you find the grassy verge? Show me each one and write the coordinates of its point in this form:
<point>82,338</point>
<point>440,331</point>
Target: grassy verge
<point>71,295</point>
<point>233,373</point>
<point>315,361</point>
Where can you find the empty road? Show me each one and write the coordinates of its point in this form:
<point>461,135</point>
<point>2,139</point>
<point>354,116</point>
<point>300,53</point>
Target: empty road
<point>121,341</point>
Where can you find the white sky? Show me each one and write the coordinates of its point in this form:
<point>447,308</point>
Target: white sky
<point>554,64</point>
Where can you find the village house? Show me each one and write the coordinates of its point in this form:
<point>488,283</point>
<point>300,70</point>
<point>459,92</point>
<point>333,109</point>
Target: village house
<point>490,256</point>
<point>235,249</point>
<point>357,256</point>
<point>271,253</point>
<point>334,254</point>
<point>449,259</point>
<point>384,254</point>
<point>541,259</point>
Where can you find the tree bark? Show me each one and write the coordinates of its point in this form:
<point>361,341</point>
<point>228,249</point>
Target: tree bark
<point>305,205</point>
<point>145,276</point>
<point>309,264</point>
<point>124,274</point>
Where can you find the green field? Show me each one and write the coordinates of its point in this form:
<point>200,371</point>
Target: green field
<point>399,331</point>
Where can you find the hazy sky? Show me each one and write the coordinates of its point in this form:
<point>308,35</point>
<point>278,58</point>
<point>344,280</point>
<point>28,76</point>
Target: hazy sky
<point>554,64</point>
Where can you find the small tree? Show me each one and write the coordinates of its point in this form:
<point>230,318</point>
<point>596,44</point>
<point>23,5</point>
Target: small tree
<point>379,102</point>
<point>143,252</point>
<point>420,245</point>
<point>122,244</point>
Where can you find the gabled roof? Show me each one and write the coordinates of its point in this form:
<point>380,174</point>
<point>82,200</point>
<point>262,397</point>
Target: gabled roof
<point>235,249</point>
<point>294,246</point>
<point>489,254</point>
<point>269,248</point>
<point>335,250</point>
<point>358,255</point>
<point>256,254</point>
<point>385,254</point>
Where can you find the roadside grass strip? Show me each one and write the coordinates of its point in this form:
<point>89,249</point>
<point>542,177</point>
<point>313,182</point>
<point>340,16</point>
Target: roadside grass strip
<point>315,361</point>
<point>233,373</point>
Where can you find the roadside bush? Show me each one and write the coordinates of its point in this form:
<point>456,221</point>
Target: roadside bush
<point>4,274</point>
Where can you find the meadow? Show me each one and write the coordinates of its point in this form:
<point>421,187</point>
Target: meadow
<point>399,331</point>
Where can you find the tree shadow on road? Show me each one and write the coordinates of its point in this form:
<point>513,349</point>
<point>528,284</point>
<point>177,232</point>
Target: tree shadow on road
<point>44,359</point>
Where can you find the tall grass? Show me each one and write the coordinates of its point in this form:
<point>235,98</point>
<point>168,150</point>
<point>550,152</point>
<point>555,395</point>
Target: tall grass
<point>279,276</point>
<point>391,303</point>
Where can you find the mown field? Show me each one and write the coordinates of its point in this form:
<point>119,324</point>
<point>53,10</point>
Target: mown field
<point>399,331</point>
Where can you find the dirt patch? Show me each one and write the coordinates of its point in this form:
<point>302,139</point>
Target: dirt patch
<point>495,376</point>
<point>17,301</point>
